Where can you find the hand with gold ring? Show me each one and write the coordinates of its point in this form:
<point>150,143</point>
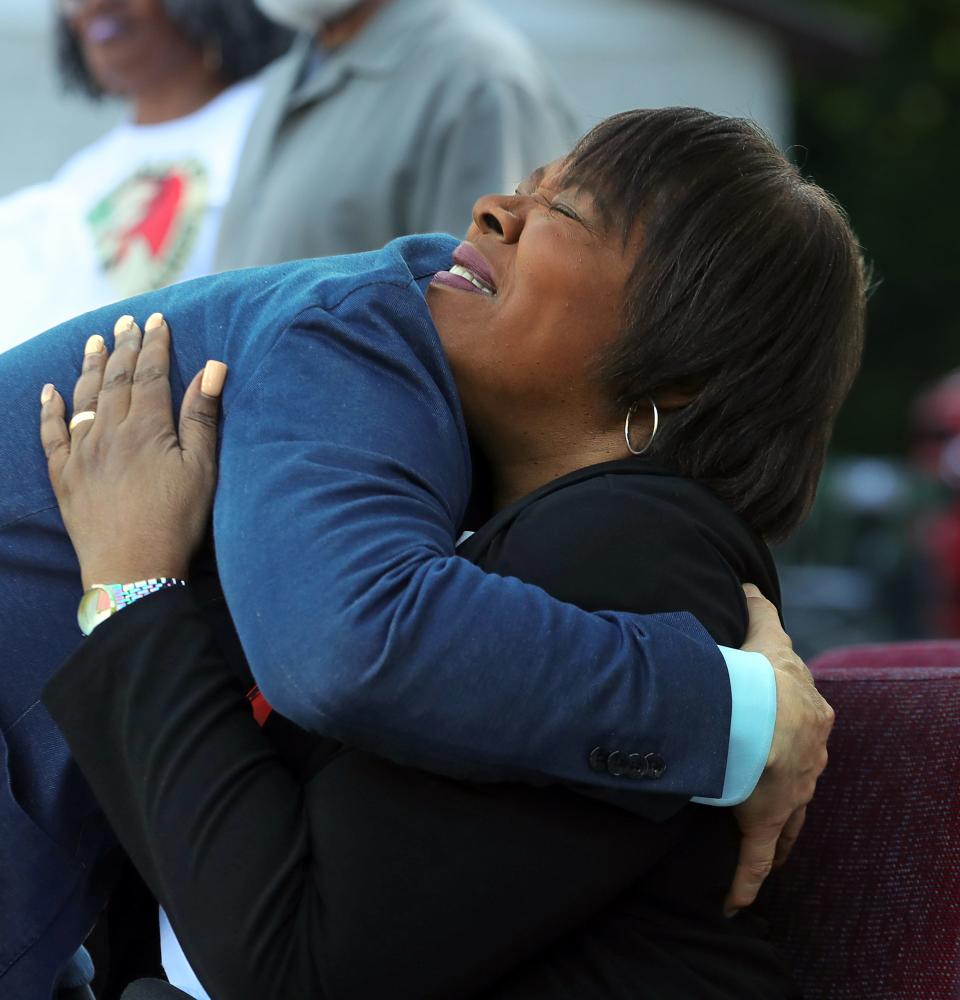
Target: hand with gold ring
<point>134,489</point>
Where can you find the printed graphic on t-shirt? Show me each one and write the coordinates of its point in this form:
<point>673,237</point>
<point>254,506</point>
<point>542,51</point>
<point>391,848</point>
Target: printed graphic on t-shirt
<point>146,228</point>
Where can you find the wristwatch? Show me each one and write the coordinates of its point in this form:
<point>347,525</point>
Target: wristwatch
<point>103,600</point>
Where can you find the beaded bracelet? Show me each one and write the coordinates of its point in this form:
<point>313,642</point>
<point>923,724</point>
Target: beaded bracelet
<point>103,600</point>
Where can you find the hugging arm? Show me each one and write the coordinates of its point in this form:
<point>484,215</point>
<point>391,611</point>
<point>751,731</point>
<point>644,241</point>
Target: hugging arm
<point>335,530</point>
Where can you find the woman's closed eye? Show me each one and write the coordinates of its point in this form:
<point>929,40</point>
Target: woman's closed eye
<point>554,206</point>
<point>562,209</point>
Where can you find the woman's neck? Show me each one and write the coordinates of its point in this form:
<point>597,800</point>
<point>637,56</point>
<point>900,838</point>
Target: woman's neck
<point>348,25</point>
<point>171,100</point>
<point>513,479</point>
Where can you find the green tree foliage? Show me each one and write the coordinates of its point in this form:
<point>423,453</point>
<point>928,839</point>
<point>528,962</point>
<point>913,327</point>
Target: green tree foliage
<point>884,137</point>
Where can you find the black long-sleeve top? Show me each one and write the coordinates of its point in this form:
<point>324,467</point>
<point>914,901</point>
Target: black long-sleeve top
<point>294,867</point>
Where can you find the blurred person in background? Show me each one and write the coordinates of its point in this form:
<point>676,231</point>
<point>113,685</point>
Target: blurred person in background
<point>387,117</point>
<point>936,453</point>
<point>140,207</point>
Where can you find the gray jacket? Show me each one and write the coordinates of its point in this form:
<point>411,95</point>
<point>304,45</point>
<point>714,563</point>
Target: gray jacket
<point>435,103</point>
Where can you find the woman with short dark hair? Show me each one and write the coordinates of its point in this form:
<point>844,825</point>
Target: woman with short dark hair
<point>747,298</point>
<point>650,340</point>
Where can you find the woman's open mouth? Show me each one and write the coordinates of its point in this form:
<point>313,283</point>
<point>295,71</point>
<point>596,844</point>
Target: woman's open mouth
<point>102,29</point>
<point>470,272</point>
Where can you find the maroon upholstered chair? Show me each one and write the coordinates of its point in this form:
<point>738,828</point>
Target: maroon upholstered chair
<point>868,906</point>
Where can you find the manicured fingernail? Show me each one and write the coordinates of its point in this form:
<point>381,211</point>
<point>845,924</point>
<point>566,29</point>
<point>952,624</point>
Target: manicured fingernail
<point>154,322</point>
<point>214,375</point>
<point>46,394</point>
<point>730,913</point>
<point>751,590</point>
<point>94,345</point>
<point>123,325</point>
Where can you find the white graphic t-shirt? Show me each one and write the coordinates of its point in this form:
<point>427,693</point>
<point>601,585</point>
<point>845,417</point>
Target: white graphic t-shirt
<point>152,195</point>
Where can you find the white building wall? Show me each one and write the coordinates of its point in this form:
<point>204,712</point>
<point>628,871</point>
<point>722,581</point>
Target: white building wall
<point>608,55</point>
<point>39,125</point>
<point>611,55</point>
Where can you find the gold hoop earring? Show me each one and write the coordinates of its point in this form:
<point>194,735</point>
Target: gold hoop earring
<point>653,433</point>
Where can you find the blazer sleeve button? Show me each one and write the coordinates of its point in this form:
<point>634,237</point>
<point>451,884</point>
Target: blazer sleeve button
<point>598,759</point>
<point>636,766</point>
<point>617,764</point>
<point>656,765</point>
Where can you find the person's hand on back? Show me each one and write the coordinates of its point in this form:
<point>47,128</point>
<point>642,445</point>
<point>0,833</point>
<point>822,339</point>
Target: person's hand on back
<point>771,818</point>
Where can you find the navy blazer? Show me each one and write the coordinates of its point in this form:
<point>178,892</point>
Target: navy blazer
<point>344,477</point>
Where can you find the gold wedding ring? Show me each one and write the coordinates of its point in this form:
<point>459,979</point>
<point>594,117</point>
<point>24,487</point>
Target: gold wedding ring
<point>81,418</point>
